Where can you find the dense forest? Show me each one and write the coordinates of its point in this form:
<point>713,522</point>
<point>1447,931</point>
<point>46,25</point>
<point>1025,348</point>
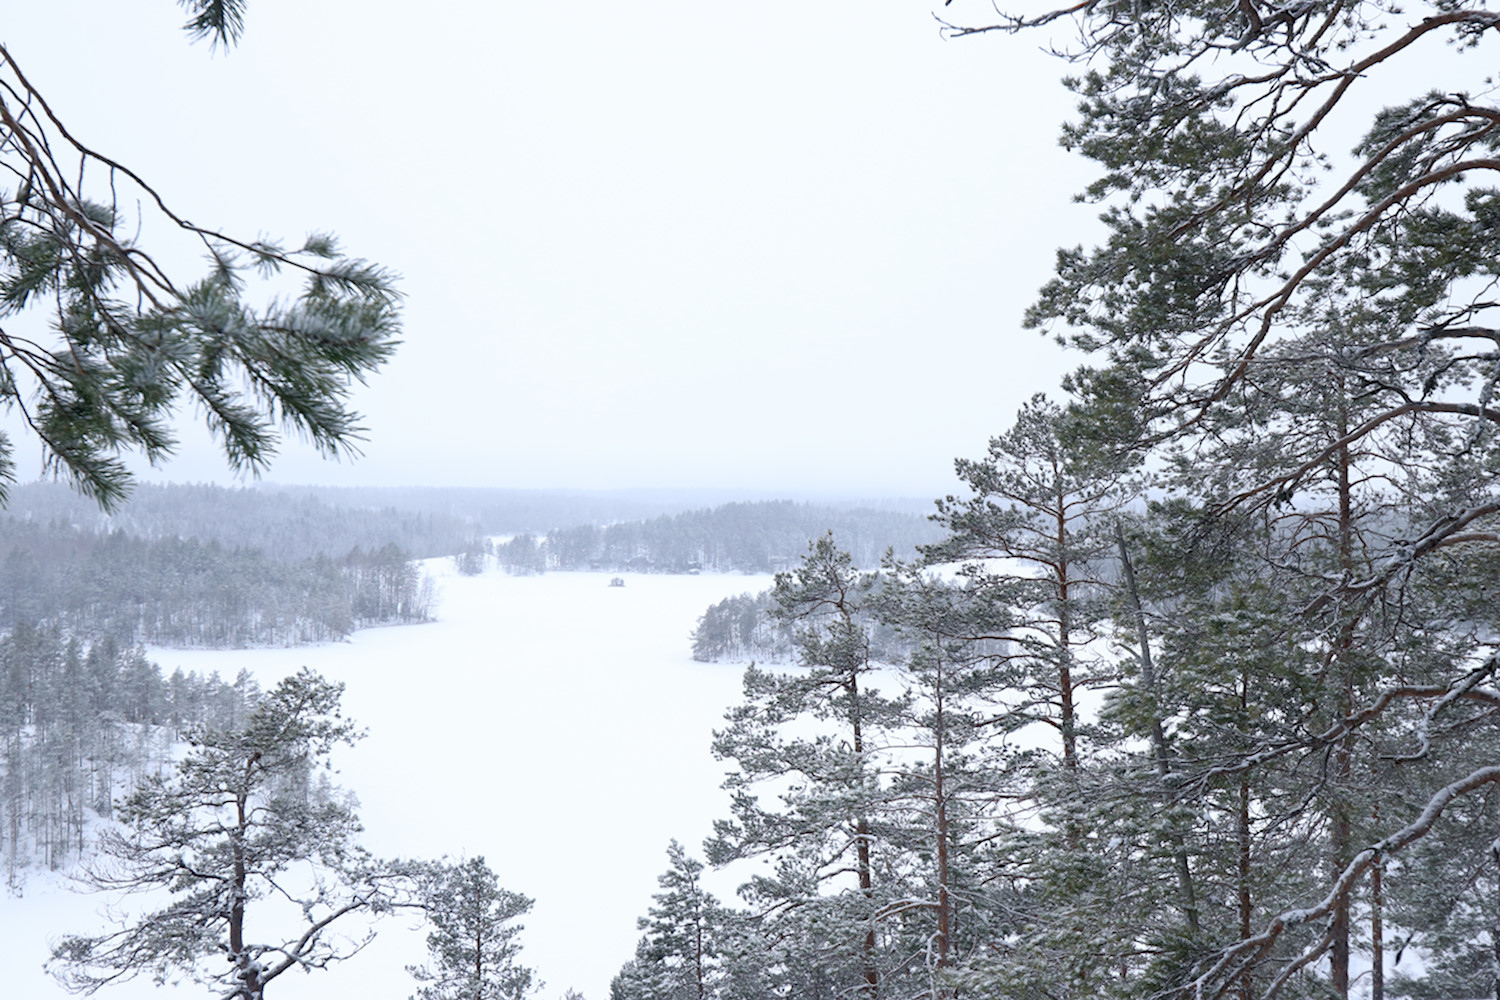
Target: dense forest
<point>1085,746</point>
<point>186,592</point>
<point>81,723</point>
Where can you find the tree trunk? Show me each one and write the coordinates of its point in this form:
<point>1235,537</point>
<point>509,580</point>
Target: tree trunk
<point>940,817</point>
<point>1242,832</point>
<point>1064,644</point>
<point>1377,930</point>
<point>478,964</point>
<point>1341,831</point>
<point>871,987</point>
<point>1187,895</point>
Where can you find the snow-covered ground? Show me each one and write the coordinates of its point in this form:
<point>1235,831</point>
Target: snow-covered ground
<point>554,724</point>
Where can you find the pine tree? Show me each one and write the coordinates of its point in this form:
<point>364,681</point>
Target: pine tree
<point>947,786</point>
<point>131,341</point>
<point>229,828</point>
<point>1032,535</point>
<point>472,949</point>
<point>679,956</point>
<point>1032,543</point>
<point>825,840</point>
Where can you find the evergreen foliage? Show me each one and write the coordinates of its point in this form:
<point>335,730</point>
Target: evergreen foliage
<point>102,344</point>
<point>472,947</point>
<point>502,511</point>
<point>678,957</point>
<point>815,804</point>
<point>285,526</point>
<point>1190,748</point>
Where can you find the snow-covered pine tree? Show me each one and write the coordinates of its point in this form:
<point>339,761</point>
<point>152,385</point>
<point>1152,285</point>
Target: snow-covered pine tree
<point>1032,533</point>
<point>1033,549</point>
<point>223,832</point>
<point>948,784</point>
<point>814,738</point>
<point>472,948</point>
<point>679,956</point>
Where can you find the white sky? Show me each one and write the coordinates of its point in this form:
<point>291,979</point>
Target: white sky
<point>769,246</point>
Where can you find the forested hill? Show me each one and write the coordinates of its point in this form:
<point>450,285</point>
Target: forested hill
<point>207,566</point>
<point>183,592</point>
<point>281,525</point>
<point>756,537</point>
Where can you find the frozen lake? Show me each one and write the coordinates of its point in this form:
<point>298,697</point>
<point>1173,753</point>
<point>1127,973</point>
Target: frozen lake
<point>554,724</point>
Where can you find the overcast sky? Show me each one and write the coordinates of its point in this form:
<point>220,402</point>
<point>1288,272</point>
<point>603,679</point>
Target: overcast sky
<point>772,246</point>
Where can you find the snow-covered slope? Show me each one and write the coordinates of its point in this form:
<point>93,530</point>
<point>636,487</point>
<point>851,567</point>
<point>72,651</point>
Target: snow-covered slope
<point>554,724</point>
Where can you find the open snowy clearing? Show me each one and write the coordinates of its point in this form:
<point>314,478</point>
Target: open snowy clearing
<point>554,724</point>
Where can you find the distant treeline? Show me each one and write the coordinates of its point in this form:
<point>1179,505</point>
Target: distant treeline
<point>493,511</point>
<point>186,592</point>
<point>537,512</point>
<point>80,722</point>
<point>757,537</point>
